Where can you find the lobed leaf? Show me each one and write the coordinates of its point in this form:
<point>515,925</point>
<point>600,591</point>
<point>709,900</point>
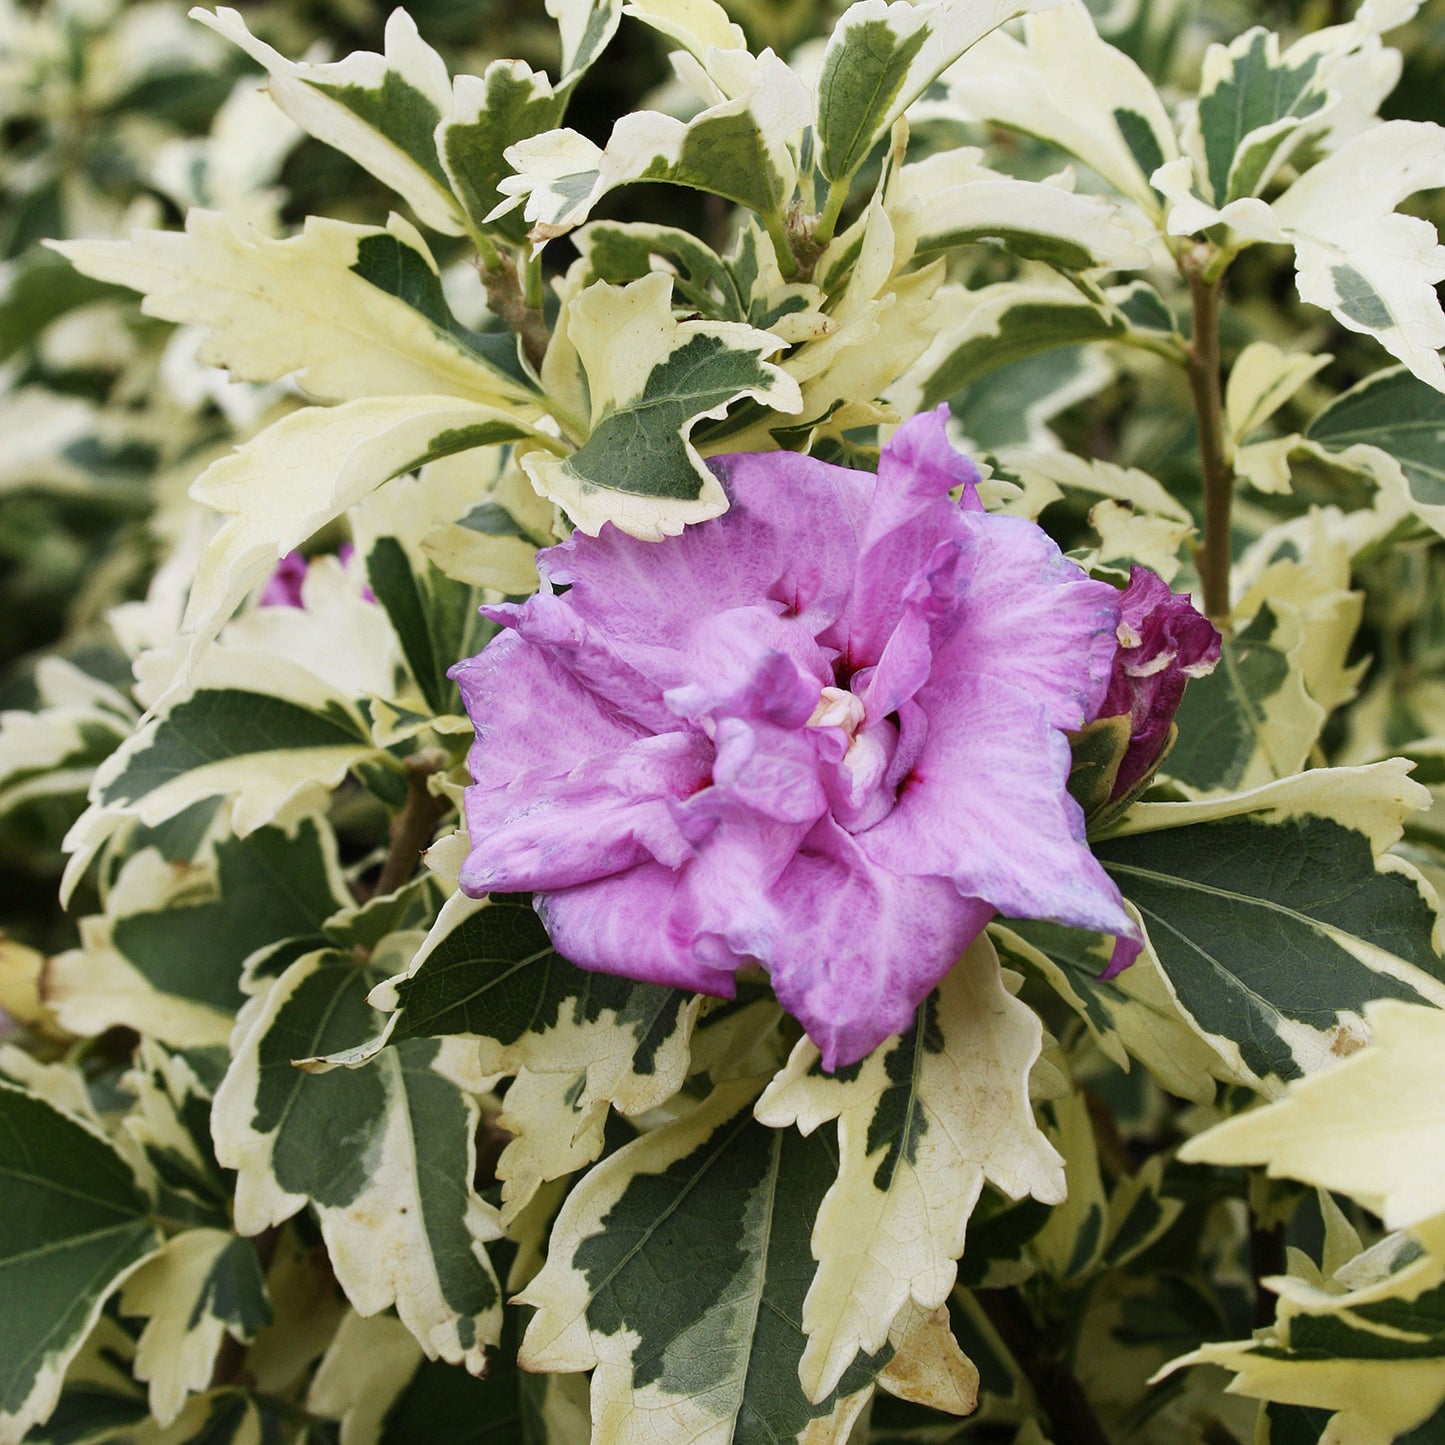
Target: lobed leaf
<point>650,379</point>
<point>488,971</point>
<point>73,1224</point>
<point>1067,85</point>
<point>170,965</point>
<point>385,1156</point>
<point>677,1269</point>
<point>1276,915</point>
<point>381,110</point>
<point>736,148</point>
<point>923,1122</point>
<point>352,311</point>
<point>200,1286</point>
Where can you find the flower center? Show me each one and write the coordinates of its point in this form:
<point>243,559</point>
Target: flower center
<point>837,708</point>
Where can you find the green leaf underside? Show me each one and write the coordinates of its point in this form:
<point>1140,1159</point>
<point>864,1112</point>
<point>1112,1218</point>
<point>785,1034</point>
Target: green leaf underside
<point>1023,331</point>
<point>215,726</point>
<point>400,112</point>
<point>1255,94</point>
<point>391,265</point>
<point>1246,918</point>
<point>1401,415</point>
<point>1222,717</point>
<point>709,1262</point>
<point>860,80</point>
<point>328,1128</point>
<point>638,447</point>
<point>435,618</point>
<point>272,887</point>
<point>497,976</point>
<point>72,1223</point>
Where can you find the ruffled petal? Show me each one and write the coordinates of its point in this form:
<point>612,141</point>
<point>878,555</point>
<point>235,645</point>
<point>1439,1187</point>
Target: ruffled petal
<point>530,714</point>
<point>910,515</point>
<point>789,539</point>
<point>862,946</point>
<point>1030,618</point>
<point>986,805</point>
<point>606,815</point>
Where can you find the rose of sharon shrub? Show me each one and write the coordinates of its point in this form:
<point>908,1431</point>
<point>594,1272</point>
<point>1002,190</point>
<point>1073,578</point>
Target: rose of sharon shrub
<point>823,732</point>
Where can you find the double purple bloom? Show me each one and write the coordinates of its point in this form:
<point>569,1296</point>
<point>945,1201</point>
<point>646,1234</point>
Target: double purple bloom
<point>824,733</point>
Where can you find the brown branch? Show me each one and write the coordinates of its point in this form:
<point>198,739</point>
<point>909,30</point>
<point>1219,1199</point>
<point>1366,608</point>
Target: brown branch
<point>412,828</point>
<point>507,300</point>
<point>1047,1371</point>
<point>1201,363</point>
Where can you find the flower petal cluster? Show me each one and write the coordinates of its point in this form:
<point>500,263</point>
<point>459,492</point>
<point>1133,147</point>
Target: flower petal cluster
<point>1163,642</point>
<point>824,733</point>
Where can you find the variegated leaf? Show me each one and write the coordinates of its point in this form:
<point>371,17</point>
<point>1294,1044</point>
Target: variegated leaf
<point>307,469</point>
<point>351,311</point>
<point>1065,84</point>
<point>1131,1016</point>
<point>650,379</point>
<point>200,1286</point>
<point>1363,1349</point>
<point>1262,380</point>
<point>1372,1127</point>
<point>699,25</point>
<point>976,332</point>
<point>508,104</point>
<point>1261,711</point>
<point>54,751</point>
<point>385,1155</point>
<point>1277,914</point>
<point>962,201</point>
<point>677,1269</point>
<point>1392,426</point>
<point>1373,269</point>
<point>166,960</point>
<point>881,57</point>
<point>488,971</point>
<point>73,1224</point>
<point>381,110</point>
<point>208,742</point>
<point>923,1123</point>
<point>737,148</point>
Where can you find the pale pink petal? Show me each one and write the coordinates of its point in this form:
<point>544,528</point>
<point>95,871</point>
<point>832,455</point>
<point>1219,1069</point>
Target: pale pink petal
<point>1032,619</point>
<point>986,805</point>
<point>789,539</point>
<point>861,947</point>
<point>610,812</point>
<point>530,713</point>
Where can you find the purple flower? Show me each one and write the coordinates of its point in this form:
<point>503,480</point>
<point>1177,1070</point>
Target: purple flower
<point>1163,642</point>
<point>824,732</point>
<point>283,587</point>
